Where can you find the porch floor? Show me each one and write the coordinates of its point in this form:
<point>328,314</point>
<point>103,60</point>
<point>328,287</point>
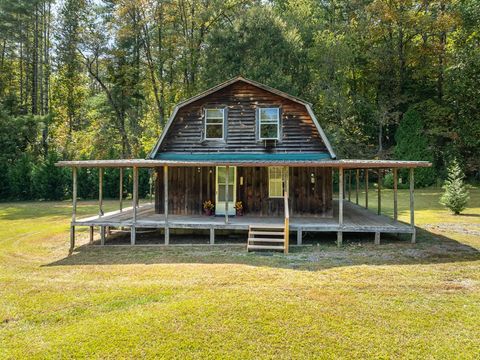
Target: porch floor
<point>356,219</point>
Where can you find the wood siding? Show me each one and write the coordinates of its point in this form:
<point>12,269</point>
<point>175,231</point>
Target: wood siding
<point>190,186</point>
<point>298,131</point>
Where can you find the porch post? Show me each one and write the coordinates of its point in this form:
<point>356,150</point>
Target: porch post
<point>74,209</point>
<point>379,192</point>
<point>357,185</point>
<point>366,188</point>
<point>395,194</point>
<point>412,206</point>
<point>121,190</point>
<point>100,191</point>
<point>349,185</point>
<point>227,170</point>
<point>134,206</point>
<point>340,206</point>
<point>165,203</point>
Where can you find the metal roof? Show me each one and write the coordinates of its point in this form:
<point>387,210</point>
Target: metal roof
<point>154,153</point>
<point>243,156</point>
<point>346,164</point>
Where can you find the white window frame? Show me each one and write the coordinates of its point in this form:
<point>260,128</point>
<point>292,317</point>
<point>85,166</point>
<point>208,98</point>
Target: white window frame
<point>278,170</point>
<point>268,122</point>
<point>214,124</point>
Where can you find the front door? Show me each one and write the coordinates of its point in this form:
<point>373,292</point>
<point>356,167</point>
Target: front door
<point>220,189</point>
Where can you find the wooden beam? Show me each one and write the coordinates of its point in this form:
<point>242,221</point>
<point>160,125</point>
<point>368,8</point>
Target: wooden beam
<point>299,236</point>
<point>74,209</point>
<point>102,235</point>
<point>340,206</point>
<point>395,194</point>
<point>121,190</point>
<point>357,185</point>
<point>212,236</point>
<point>366,188</point>
<point>100,192</point>
<point>412,206</point>
<point>227,171</point>
<point>379,192</point>
<point>133,231</point>
<point>91,234</point>
<point>377,238</point>
<point>349,185</point>
<point>165,204</point>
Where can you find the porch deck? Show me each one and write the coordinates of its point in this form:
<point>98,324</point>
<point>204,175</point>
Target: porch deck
<point>356,219</point>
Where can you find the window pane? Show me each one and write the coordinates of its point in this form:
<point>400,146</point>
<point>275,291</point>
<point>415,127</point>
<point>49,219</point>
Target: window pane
<point>268,131</point>
<point>214,121</point>
<point>214,113</point>
<point>214,131</point>
<point>275,181</point>
<point>269,114</point>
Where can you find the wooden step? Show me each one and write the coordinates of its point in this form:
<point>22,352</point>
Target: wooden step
<point>264,247</point>
<point>266,240</point>
<point>267,226</point>
<point>254,232</point>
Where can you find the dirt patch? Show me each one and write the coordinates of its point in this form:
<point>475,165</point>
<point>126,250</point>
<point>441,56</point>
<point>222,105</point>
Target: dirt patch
<point>461,228</point>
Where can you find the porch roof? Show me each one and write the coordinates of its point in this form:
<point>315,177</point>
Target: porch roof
<point>246,159</point>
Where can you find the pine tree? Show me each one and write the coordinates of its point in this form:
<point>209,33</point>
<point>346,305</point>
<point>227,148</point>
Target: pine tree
<point>456,194</point>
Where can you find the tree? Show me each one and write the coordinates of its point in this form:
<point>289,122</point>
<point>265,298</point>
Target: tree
<point>412,144</point>
<point>456,194</point>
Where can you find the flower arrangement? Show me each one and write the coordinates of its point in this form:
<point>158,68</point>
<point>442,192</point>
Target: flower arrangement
<point>208,207</point>
<point>239,208</point>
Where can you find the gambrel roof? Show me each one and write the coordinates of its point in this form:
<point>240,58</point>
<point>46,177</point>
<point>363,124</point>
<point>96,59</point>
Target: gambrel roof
<point>154,154</point>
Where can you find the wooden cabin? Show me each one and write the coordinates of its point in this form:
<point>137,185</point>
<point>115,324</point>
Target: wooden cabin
<point>250,124</point>
<point>244,143</point>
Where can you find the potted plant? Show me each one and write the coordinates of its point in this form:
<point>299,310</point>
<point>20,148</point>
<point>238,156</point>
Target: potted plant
<point>239,208</point>
<point>208,207</point>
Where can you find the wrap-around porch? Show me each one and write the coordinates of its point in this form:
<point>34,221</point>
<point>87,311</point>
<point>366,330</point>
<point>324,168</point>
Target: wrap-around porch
<point>347,215</point>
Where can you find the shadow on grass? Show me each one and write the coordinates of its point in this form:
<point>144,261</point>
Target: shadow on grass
<point>319,253</point>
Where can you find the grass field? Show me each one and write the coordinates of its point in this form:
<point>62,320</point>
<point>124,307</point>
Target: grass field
<point>395,300</point>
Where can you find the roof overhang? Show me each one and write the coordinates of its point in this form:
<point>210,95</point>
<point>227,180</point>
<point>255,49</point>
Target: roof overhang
<point>345,164</point>
<point>218,87</point>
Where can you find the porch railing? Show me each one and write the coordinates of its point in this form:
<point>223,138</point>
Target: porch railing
<point>287,220</point>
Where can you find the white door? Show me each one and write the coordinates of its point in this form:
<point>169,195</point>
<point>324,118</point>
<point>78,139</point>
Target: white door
<point>220,189</point>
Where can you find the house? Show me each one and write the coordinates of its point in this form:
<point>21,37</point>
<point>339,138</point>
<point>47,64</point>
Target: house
<point>242,141</point>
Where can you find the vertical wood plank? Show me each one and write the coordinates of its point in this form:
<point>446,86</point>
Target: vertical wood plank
<point>357,185</point>
<point>379,192</point>
<point>377,238</point>
<point>340,206</point>
<point>121,190</point>
<point>227,171</point>
<point>412,206</point>
<point>395,194</point>
<point>91,235</point>
<point>165,205</point>
<point>349,185</point>
<point>212,236</point>
<point>102,235</point>
<point>100,192</point>
<point>366,188</point>
<point>74,209</point>
<point>299,236</point>
<point>134,205</point>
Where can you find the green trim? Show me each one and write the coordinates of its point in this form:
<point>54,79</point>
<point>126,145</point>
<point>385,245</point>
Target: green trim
<point>243,156</point>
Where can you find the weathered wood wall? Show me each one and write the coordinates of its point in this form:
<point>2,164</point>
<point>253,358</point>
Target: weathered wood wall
<point>298,131</point>
<point>190,186</point>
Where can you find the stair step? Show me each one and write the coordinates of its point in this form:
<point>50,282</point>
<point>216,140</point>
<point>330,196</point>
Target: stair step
<point>266,240</point>
<point>265,247</point>
<point>254,232</point>
<point>267,226</point>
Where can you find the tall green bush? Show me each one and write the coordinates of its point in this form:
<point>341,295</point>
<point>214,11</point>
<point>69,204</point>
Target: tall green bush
<point>456,194</point>
<point>50,181</point>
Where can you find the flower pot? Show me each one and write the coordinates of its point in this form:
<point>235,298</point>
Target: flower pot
<point>208,212</point>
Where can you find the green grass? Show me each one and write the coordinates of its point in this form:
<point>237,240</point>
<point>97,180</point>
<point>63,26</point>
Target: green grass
<point>395,300</point>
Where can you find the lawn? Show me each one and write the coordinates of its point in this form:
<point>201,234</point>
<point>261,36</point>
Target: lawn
<point>396,300</point>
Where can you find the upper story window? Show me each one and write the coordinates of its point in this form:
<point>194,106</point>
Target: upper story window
<point>269,123</point>
<point>214,124</point>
